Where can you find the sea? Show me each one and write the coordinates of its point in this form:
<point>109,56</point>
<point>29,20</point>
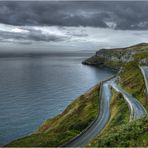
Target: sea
<point>35,88</point>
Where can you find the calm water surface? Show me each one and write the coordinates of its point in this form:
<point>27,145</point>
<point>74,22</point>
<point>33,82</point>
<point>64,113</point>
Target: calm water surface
<point>35,89</point>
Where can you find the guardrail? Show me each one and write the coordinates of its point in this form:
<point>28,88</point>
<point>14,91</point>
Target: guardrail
<point>145,79</point>
<point>129,107</point>
<point>93,122</point>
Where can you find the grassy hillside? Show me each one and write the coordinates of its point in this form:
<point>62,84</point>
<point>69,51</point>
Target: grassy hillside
<point>132,79</point>
<point>127,61</point>
<point>132,134</point>
<point>121,132</point>
<point>115,58</point>
<point>76,117</point>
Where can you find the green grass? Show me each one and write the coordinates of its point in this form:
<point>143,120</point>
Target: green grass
<point>113,64</point>
<point>132,134</point>
<point>132,80</point>
<point>119,115</point>
<point>119,110</point>
<point>76,117</point>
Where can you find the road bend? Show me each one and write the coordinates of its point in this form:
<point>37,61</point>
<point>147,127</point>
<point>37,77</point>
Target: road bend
<point>137,109</point>
<point>99,123</point>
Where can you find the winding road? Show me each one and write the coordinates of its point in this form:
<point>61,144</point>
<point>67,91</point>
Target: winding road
<point>137,110</point>
<point>100,121</point>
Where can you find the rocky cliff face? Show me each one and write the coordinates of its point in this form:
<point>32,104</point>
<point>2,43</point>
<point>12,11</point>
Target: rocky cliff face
<point>144,61</point>
<point>116,55</point>
<point>114,58</point>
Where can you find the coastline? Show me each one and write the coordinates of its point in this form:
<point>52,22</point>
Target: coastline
<point>88,94</point>
<point>127,69</point>
<point>68,144</point>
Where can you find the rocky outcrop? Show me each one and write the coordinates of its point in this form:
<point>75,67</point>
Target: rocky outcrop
<point>144,61</point>
<point>116,55</point>
<point>114,58</point>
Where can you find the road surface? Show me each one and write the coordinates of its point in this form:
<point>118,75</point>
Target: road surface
<point>99,123</point>
<point>137,110</point>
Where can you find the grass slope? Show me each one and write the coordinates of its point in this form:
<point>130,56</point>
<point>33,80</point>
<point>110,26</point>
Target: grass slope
<point>131,79</point>
<point>128,59</point>
<point>119,132</point>
<point>132,134</point>
<point>76,117</point>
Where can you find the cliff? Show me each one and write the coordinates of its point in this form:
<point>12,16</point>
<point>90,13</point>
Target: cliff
<point>78,115</point>
<point>115,58</point>
<point>118,133</point>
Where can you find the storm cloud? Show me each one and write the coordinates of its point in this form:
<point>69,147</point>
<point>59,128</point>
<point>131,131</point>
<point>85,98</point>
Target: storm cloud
<point>71,25</point>
<point>116,15</point>
<point>75,38</point>
<point>34,33</point>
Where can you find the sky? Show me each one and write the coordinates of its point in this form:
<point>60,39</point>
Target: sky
<point>71,25</point>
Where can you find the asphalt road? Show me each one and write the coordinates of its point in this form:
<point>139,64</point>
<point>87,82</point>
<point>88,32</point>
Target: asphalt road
<point>137,109</point>
<point>99,123</point>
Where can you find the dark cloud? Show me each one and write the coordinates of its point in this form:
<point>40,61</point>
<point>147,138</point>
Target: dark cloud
<point>124,15</point>
<point>31,35</point>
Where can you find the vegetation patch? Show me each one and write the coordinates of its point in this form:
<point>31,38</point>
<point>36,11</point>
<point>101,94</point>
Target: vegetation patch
<point>132,80</point>
<point>132,134</point>
<point>119,115</point>
<point>76,117</point>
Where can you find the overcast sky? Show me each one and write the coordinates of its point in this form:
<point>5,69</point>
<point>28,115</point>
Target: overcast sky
<point>71,26</point>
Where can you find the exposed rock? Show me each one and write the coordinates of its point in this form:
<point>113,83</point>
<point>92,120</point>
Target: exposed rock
<point>144,61</point>
<point>114,58</point>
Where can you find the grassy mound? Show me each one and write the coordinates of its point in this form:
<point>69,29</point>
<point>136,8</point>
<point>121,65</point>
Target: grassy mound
<point>119,132</point>
<point>76,117</point>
